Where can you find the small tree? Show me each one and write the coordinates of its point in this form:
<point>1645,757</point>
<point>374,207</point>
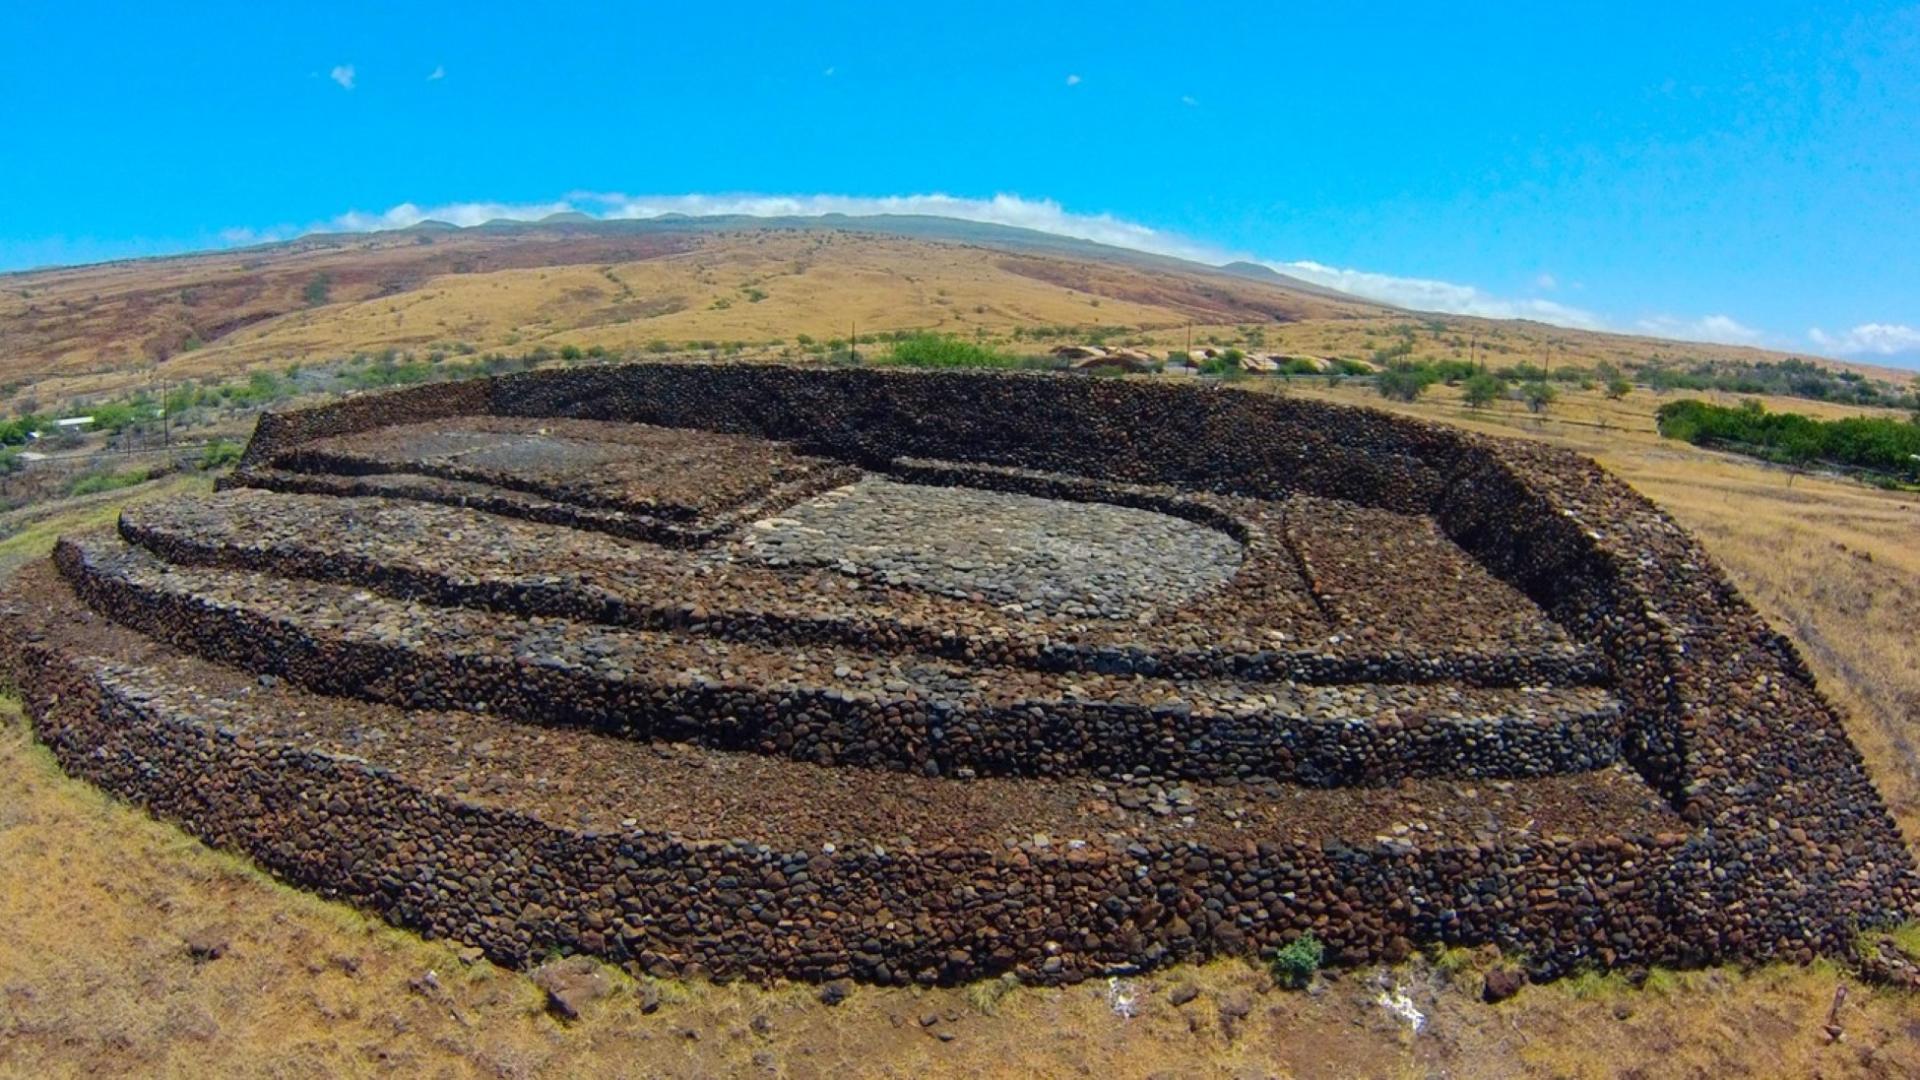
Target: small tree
<point>1618,387</point>
<point>1400,384</point>
<point>1482,390</point>
<point>1539,395</point>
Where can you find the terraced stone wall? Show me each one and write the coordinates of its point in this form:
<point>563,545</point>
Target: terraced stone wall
<point>1790,848</point>
<point>521,887</point>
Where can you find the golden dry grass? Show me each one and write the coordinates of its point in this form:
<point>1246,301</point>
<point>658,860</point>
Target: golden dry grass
<point>95,978</point>
<point>100,329</point>
<point>97,900</point>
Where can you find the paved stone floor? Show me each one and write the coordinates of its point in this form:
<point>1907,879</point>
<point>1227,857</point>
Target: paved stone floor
<point>1069,558</point>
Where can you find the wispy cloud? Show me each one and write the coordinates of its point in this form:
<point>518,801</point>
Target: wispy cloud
<point>1716,328</point>
<point>1045,215</point>
<point>342,74</point>
<point>1073,80</point>
<point>246,237</point>
<point>828,73</point>
<point>1875,339</point>
<point>439,72</point>
<point>1546,282</point>
<point>461,214</point>
<point>1428,294</point>
<point>1188,100</point>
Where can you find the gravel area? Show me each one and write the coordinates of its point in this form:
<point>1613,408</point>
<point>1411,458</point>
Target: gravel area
<point>1016,551</point>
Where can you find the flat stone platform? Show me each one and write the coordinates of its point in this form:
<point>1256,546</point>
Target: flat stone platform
<point>1018,552</point>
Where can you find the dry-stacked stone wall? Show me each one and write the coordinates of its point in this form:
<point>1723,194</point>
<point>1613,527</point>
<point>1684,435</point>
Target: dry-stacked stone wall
<point>1457,689</point>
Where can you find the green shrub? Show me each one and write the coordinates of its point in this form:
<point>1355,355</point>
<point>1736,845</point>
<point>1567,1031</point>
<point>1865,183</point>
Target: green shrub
<point>95,482</point>
<point>220,453</point>
<point>1619,387</point>
<point>319,289</point>
<point>1874,443</point>
<point>1293,964</point>
<point>1482,390</point>
<point>946,351</point>
<point>1539,395</point>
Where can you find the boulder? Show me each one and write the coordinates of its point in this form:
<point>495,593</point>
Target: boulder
<point>571,985</point>
<point>1126,360</point>
<point>1502,983</point>
<point>1078,352</point>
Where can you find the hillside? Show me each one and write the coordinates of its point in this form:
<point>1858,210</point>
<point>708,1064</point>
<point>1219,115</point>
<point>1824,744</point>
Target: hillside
<point>753,286</point>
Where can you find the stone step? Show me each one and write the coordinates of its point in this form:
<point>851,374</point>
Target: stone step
<point>701,480</point>
<point>832,704</point>
<point>455,556</point>
<point>666,858</point>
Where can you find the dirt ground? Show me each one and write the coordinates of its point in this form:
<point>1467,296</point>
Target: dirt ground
<point>99,904</point>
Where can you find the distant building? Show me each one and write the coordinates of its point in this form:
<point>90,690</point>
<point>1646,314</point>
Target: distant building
<point>73,423</point>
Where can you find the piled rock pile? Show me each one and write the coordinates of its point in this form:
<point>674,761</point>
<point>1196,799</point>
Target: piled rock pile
<point>922,677</point>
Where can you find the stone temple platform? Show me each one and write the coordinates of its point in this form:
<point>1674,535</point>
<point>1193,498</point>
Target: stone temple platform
<point>788,673</point>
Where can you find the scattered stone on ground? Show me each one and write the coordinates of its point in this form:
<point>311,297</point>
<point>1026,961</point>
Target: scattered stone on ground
<point>1502,983</point>
<point>209,943</point>
<point>571,985</point>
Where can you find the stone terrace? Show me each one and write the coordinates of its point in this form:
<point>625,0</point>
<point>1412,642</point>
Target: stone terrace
<point>765,672</point>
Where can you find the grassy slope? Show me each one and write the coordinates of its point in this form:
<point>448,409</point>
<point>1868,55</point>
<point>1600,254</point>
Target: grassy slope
<point>97,899</point>
<point>97,329</point>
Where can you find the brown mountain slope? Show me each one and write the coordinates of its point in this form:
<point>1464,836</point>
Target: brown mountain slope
<point>72,332</point>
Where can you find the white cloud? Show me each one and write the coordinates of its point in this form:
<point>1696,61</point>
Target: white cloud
<point>1546,282</point>
<point>246,237</point>
<point>1426,294</point>
<point>1073,80</point>
<point>1045,215</point>
<point>342,74</point>
<point>1879,339</point>
<point>461,214</point>
<point>1720,329</point>
<point>439,72</point>
<point>1188,100</point>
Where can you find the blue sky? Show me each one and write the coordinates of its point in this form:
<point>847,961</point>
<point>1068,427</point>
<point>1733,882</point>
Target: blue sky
<point>1741,172</point>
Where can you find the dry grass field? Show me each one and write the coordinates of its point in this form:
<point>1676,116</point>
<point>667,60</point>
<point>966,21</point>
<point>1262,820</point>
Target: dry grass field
<point>107,329</point>
<point>98,900</point>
